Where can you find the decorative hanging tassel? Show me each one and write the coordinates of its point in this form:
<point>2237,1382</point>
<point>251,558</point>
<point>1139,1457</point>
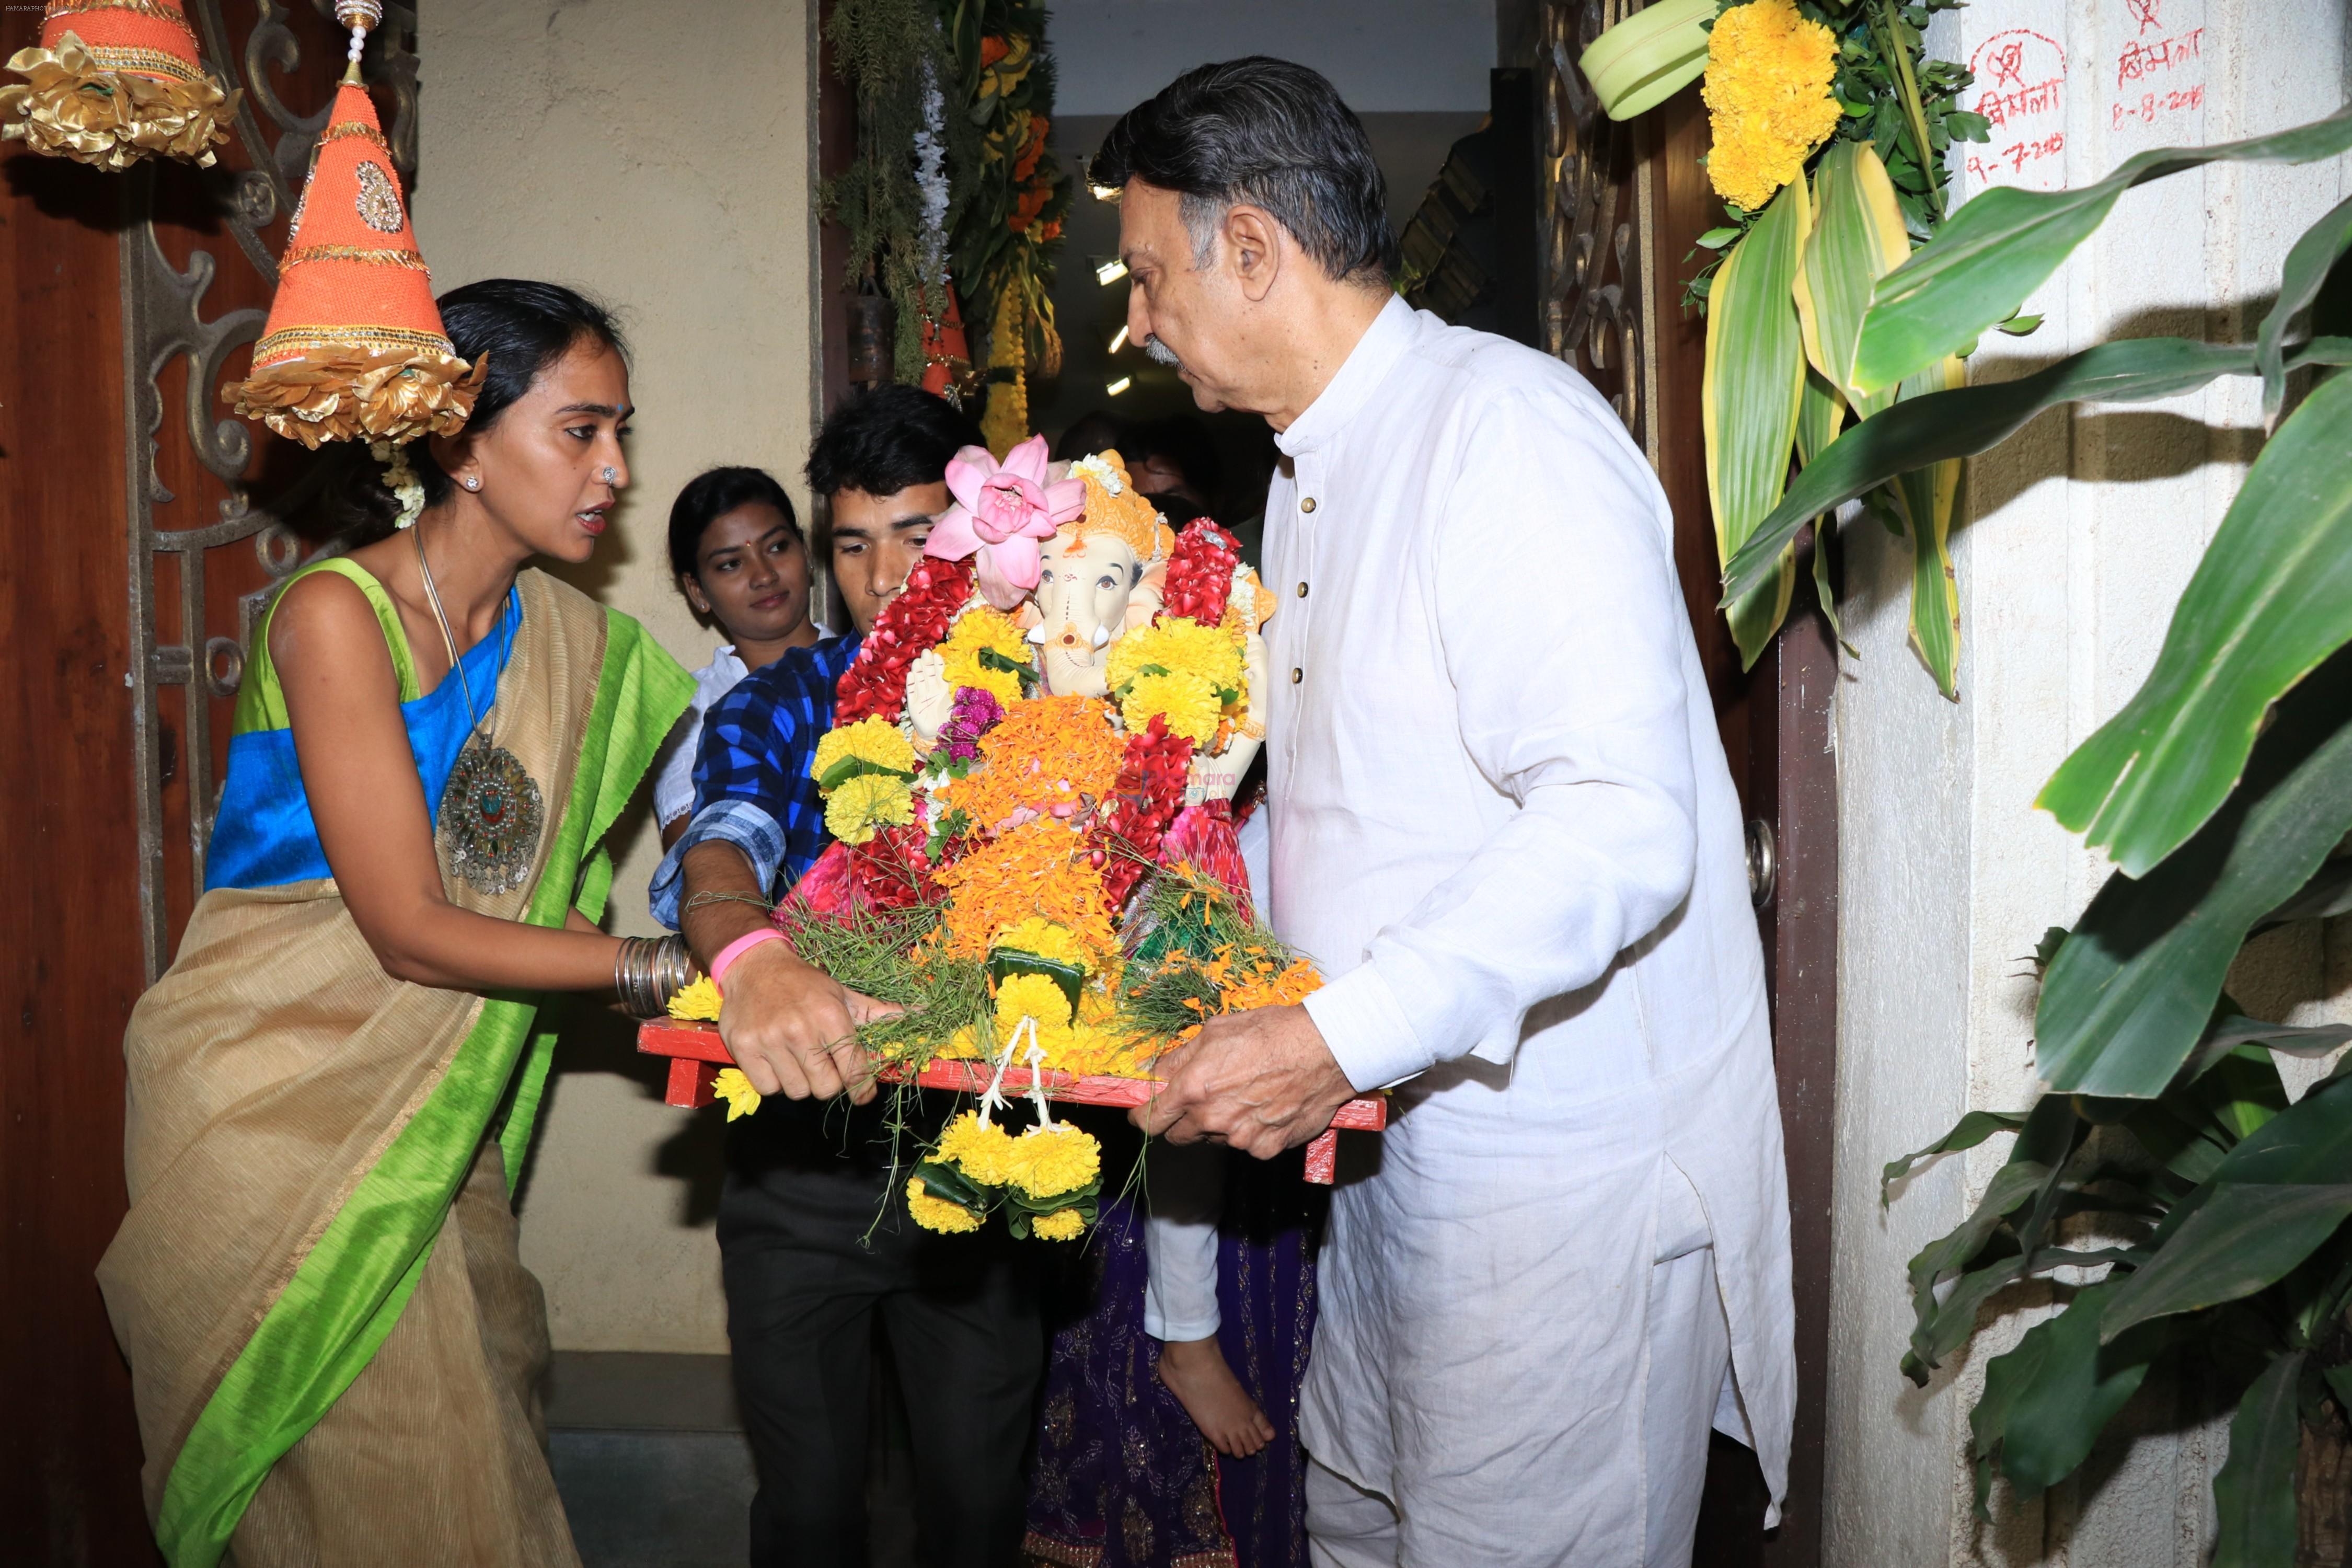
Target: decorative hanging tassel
<point>113,82</point>
<point>1005,425</point>
<point>354,347</point>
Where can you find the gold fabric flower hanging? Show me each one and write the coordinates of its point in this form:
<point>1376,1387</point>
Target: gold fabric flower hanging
<point>1768,97</point>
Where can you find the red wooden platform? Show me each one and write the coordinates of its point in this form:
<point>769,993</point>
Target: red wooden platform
<point>697,1052</point>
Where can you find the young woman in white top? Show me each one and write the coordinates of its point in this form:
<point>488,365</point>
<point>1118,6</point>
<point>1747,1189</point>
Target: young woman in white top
<point>736,547</point>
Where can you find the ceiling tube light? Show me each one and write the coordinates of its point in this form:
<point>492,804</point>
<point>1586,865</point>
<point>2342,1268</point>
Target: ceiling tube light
<point>1119,341</point>
<point>1109,272</point>
<point>1116,387</point>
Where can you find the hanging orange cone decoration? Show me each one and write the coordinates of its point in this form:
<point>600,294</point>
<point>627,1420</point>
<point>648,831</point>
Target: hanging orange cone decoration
<point>113,82</point>
<point>354,348</point>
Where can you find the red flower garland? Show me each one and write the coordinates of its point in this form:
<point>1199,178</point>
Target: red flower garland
<point>1200,572</point>
<point>1148,794</point>
<point>892,871</point>
<point>910,626</point>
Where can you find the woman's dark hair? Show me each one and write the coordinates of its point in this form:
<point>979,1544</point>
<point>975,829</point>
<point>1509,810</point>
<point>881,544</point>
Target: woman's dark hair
<point>884,439</point>
<point>1185,442</point>
<point>1091,432</point>
<point>1271,133</point>
<point>524,327</point>
<point>708,497</point>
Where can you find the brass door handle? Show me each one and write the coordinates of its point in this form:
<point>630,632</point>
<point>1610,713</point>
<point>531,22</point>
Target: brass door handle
<point>1763,862</point>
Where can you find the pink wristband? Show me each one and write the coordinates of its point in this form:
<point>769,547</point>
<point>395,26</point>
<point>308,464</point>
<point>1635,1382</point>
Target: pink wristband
<point>737,949</point>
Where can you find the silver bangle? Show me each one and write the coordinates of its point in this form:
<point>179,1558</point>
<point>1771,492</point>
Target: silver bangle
<point>648,971</point>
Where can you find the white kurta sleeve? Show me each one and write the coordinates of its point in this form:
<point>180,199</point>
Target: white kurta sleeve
<point>1554,596</point>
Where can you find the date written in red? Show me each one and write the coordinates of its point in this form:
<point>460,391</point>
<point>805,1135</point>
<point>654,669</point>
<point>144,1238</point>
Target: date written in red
<point>2153,105</point>
<point>2011,158</point>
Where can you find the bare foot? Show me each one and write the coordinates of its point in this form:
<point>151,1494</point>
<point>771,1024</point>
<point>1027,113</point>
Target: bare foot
<point>1196,1374</point>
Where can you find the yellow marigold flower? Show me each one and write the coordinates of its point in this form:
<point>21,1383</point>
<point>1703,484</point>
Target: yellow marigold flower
<point>1182,646</point>
<point>938,1213</point>
<point>1062,1225</point>
<point>733,1087</point>
<point>1767,98</point>
<point>1046,939</point>
<point>1029,996</point>
<point>985,1155</point>
<point>983,627</point>
<point>1043,868</point>
<point>1190,702</point>
<point>869,802</point>
<point>874,739</point>
<point>1048,1162</point>
<point>698,1003</point>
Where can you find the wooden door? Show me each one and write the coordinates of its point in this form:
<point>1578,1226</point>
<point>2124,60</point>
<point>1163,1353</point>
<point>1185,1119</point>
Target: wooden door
<point>1620,207</point>
<point>141,527</point>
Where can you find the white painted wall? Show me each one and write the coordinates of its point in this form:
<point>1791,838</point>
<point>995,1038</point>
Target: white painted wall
<point>658,155</point>
<point>2082,533</point>
<point>1384,56</point>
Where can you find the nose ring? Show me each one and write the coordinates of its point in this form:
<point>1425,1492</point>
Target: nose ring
<point>610,475</point>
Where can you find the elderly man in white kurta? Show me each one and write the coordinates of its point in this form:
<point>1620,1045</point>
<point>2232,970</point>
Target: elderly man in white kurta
<point>1503,825</point>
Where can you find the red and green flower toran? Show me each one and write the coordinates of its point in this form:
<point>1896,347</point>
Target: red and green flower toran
<point>893,869</point>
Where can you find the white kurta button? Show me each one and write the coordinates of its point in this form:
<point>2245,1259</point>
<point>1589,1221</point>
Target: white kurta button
<point>1307,504</point>
<point>1302,590</point>
<point>1296,675</point>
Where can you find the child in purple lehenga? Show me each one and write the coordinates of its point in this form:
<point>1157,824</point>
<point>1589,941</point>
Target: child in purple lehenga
<point>1123,1478</point>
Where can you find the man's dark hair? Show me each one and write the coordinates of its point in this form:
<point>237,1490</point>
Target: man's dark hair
<point>709,496</point>
<point>1270,134</point>
<point>886,439</point>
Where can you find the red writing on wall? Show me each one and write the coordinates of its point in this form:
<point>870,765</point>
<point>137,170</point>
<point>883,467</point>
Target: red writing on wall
<point>2140,60</point>
<point>2021,89</point>
<point>2004,163</point>
<point>2153,105</point>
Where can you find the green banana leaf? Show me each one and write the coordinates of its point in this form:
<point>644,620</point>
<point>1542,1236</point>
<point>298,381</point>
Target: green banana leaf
<point>2300,277</point>
<point>2241,1240</point>
<point>2130,993</point>
<point>1750,395</point>
<point>1649,56</point>
<point>2271,598</point>
<point>2003,244</point>
<point>2078,1383</point>
<point>1973,419</point>
<point>1857,238</point>
<point>2254,1494</point>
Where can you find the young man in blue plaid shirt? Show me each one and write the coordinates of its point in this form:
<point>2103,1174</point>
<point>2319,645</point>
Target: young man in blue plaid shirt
<point>804,1279</point>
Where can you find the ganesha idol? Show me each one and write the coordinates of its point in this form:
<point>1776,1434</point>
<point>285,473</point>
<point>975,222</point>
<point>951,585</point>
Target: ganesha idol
<point>1078,590</point>
<point>1064,683</point>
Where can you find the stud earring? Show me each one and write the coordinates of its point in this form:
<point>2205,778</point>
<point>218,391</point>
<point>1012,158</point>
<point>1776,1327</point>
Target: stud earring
<point>472,481</point>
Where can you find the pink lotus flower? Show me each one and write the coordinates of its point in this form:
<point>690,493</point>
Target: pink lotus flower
<point>1002,513</point>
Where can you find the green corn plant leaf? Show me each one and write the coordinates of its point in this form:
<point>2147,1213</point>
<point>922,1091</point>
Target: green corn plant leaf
<point>2271,598</point>
<point>2294,1039</point>
<point>1926,499</point>
<point>1750,397</point>
<point>2310,1142</point>
<point>2254,1494</point>
<point>1966,1133</point>
<point>1649,56</point>
<point>1949,1327</point>
<point>2079,1383</point>
<point>1819,414</point>
<point>2305,269</point>
<point>2242,1239</point>
<point>1857,236</point>
<point>1946,424</point>
<point>2000,246</point>
<point>2130,994</point>
<point>2007,1376</point>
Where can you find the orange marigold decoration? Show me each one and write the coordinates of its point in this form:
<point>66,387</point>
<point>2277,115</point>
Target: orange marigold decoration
<point>1051,757</point>
<point>1045,868</point>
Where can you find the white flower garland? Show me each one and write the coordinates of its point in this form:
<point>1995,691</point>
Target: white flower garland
<point>402,480</point>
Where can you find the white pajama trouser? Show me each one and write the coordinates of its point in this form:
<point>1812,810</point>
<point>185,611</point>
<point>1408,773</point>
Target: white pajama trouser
<point>1186,1184</point>
<point>1347,1527</point>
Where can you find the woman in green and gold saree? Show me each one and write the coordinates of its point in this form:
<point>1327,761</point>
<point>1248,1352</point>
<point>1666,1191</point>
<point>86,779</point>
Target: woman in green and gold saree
<point>334,1346</point>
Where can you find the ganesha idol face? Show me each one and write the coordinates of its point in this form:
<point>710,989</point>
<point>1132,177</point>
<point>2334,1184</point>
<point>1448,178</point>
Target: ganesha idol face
<point>1091,588</point>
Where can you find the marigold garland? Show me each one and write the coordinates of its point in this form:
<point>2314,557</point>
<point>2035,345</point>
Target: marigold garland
<point>1045,869</point>
<point>984,629</point>
<point>1767,96</point>
<point>875,741</point>
<point>1062,1225</point>
<point>938,1213</point>
<point>1074,733</point>
<point>1044,939</point>
<point>863,806</point>
<point>1178,644</point>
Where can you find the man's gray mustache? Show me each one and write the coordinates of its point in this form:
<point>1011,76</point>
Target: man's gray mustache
<point>1158,353</point>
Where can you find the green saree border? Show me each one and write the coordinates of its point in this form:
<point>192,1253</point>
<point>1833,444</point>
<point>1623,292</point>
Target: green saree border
<point>349,1291</point>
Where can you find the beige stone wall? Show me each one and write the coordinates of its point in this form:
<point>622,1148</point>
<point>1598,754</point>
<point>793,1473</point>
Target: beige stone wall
<point>658,155</point>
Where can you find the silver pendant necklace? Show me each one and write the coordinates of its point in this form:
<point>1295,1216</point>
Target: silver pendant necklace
<point>491,813</point>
